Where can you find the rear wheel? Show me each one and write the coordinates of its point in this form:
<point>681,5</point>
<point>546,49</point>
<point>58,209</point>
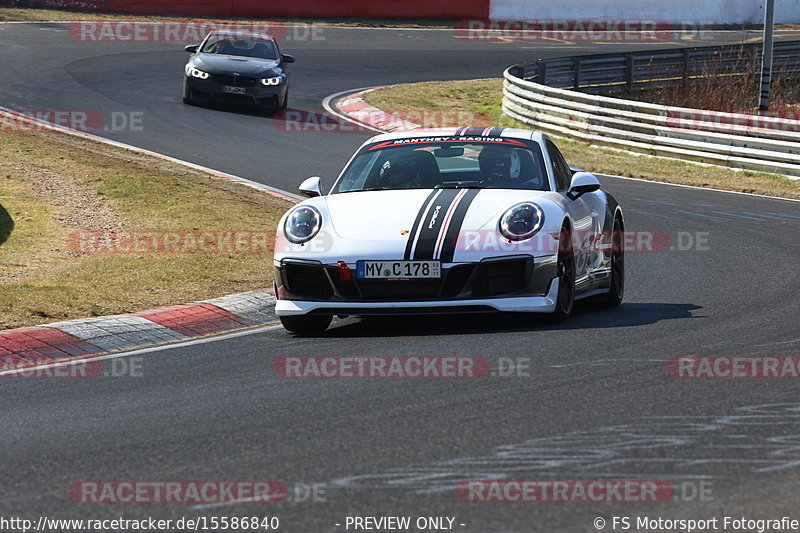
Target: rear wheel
<point>616,280</point>
<point>565,268</point>
<point>306,326</point>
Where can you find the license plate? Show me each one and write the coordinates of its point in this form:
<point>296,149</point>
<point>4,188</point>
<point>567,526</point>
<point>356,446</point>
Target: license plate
<point>236,90</point>
<point>399,269</point>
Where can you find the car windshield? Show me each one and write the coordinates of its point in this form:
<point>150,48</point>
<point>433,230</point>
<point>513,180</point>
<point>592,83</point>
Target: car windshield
<point>234,45</point>
<point>446,162</point>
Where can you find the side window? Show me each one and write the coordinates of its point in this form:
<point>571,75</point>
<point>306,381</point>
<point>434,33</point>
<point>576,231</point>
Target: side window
<point>560,168</point>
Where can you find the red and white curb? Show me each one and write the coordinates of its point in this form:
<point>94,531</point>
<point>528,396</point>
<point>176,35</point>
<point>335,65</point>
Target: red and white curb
<point>351,106</point>
<point>26,347</point>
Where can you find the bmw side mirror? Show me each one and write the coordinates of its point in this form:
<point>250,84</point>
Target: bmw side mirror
<point>286,58</point>
<point>311,187</point>
<point>582,182</point>
<point>192,48</point>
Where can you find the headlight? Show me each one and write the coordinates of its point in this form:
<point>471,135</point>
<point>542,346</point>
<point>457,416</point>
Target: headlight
<point>521,221</point>
<point>272,81</point>
<point>302,224</point>
<point>196,73</point>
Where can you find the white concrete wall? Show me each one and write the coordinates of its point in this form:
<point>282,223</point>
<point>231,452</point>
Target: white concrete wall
<point>672,11</point>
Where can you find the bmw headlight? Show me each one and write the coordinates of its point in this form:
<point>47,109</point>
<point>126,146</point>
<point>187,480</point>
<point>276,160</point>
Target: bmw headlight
<point>196,73</point>
<point>302,224</point>
<point>272,81</point>
<point>521,221</point>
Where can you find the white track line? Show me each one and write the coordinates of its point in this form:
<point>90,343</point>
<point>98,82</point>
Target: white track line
<point>20,115</point>
<point>326,104</point>
<point>158,348</point>
<point>700,188</point>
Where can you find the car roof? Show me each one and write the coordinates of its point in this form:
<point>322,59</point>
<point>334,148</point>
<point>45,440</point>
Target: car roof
<point>235,34</point>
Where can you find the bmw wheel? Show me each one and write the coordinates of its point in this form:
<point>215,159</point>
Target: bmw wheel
<point>285,102</point>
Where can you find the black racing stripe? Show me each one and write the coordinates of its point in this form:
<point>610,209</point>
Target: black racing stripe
<point>417,223</point>
<point>496,132</point>
<point>453,230</point>
<point>459,131</point>
<point>429,230</point>
<point>473,132</point>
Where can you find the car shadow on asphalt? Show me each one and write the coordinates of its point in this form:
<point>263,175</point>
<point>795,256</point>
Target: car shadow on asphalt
<point>238,109</point>
<point>291,119</point>
<point>586,316</point>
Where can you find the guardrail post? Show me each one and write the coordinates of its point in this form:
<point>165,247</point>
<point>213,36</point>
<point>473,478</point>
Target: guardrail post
<point>542,78</point>
<point>629,72</point>
<point>685,64</point>
<point>576,68</point>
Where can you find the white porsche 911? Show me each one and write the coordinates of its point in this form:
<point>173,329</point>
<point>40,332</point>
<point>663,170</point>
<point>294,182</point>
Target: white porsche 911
<point>449,221</point>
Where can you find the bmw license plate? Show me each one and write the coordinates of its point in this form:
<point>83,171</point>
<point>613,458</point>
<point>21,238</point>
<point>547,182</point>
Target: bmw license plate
<point>235,90</point>
<point>399,269</point>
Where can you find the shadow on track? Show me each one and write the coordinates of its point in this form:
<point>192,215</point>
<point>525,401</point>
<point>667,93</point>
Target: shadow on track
<point>290,120</point>
<point>6,225</point>
<point>585,316</point>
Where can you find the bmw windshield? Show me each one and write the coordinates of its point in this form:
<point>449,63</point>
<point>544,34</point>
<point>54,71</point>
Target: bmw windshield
<point>446,162</point>
<point>243,46</point>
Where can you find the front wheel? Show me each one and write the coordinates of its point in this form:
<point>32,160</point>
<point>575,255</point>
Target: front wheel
<point>285,101</point>
<point>565,268</point>
<point>306,326</point>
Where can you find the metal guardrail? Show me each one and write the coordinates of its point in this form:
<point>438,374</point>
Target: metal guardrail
<point>560,96</point>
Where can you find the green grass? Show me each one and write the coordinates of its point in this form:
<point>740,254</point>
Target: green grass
<point>42,279</point>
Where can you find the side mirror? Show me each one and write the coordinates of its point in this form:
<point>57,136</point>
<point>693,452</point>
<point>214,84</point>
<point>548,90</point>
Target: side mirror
<point>311,187</point>
<point>286,58</point>
<point>192,48</point>
<point>582,182</point>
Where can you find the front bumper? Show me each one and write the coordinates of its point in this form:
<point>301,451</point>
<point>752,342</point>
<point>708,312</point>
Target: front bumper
<point>516,284</point>
<point>212,90</point>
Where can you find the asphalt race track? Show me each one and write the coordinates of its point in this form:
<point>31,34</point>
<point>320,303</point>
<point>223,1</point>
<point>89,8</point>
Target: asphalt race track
<point>594,402</point>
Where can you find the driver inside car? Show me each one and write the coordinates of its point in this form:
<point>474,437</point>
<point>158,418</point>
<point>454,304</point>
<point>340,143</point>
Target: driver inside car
<point>504,168</point>
<point>399,173</point>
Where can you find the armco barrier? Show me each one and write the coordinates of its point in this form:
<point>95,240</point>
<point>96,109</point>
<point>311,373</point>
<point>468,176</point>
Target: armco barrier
<point>379,9</point>
<point>535,93</point>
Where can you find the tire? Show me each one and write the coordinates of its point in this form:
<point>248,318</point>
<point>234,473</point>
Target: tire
<point>565,268</point>
<point>616,280</point>
<point>306,326</point>
<point>188,101</point>
<point>285,102</point>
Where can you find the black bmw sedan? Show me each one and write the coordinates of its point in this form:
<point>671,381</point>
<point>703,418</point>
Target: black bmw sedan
<point>237,68</point>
